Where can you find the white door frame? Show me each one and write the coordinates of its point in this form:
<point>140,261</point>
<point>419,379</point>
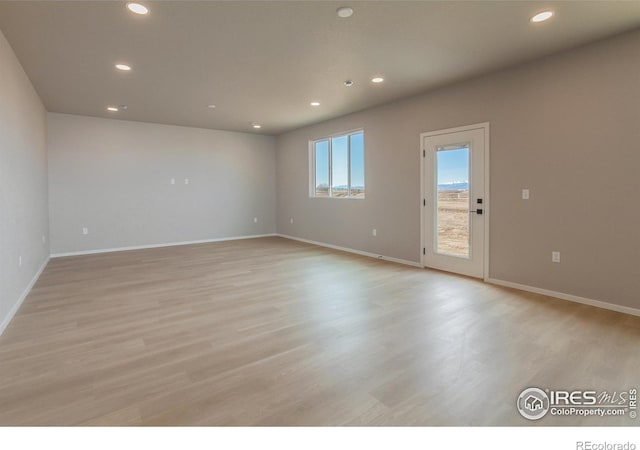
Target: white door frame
<point>487,203</point>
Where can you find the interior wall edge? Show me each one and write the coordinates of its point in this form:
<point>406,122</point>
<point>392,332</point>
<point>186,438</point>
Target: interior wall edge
<point>14,309</point>
<point>24,218</point>
<point>169,244</point>
<point>568,297</point>
<point>353,250</point>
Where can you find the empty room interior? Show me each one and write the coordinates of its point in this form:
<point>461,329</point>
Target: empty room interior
<point>319,213</point>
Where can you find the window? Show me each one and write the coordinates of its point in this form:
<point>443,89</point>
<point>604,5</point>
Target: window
<point>337,166</point>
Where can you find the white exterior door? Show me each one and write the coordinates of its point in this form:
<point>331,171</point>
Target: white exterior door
<point>455,203</point>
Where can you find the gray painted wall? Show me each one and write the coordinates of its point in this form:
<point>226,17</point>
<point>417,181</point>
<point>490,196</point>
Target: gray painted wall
<point>23,183</point>
<point>113,177</point>
<point>567,127</point>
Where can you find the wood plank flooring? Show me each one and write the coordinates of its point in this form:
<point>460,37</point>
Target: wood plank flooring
<point>275,332</point>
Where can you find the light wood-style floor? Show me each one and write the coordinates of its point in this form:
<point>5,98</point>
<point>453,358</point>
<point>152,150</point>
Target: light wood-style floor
<point>276,332</point>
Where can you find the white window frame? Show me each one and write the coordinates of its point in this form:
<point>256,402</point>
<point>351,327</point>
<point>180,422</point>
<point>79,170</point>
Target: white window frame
<point>312,165</point>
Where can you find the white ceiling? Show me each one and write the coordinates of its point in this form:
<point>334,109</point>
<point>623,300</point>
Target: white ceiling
<point>265,61</point>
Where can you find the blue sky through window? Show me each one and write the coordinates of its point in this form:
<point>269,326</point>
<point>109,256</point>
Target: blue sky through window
<point>322,163</point>
<point>340,163</point>
<point>340,160</point>
<point>453,166</point>
<point>357,160</point>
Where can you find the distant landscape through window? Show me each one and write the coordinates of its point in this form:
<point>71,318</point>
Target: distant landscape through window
<point>338,166</point>
<point>453,224</point>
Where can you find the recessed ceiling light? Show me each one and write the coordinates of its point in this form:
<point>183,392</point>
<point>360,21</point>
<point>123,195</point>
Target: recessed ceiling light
<point>112,108</point>
<point>377,80</point>
<point>123,67</point>
<point>256,126</point>
<point>348,83</point>
<point>137,8</point>
<point>542,16</point>
<point>344,12</point>
<point>211,106</point>
<point>315,103</point>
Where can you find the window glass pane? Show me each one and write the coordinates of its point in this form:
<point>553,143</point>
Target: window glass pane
<point>339,167</point>
<point>452,172</point>
<point>322,168</point>
<point>357,165</point>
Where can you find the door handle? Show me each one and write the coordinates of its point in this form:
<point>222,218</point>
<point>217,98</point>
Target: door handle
<point>477,211</point>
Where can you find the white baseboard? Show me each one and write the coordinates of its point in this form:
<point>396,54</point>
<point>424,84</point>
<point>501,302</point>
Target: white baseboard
<point>569,297</point>
<point>168,244</point>
<point>357,252</point>
<point>12,312</point>
<point>522,287</point>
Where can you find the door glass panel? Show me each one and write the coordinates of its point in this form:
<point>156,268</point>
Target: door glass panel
<point>452,212</point>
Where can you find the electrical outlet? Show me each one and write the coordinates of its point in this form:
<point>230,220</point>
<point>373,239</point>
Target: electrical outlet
<point>173,181</point>
<point>291,220</point>
<point>255,220</point>
<point>85,231</point>
<point>525,194</point>
<point>186,181</point>
<point>19,261</point>
<point>374,232</point>
<point>555,257</point>
<point>44,239</point>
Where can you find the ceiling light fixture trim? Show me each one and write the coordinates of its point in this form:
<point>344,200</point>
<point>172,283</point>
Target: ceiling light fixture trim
<point>344,12</point>
<point>137,8</point>
<point>542,16</point>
